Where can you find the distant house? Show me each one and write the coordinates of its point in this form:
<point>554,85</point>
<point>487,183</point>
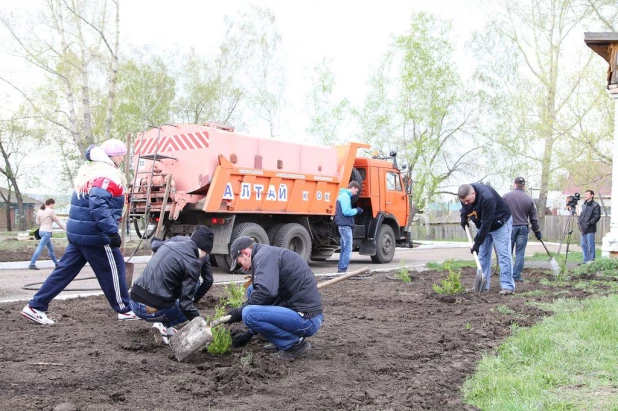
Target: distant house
<point>599,181</point>
<point>30,207</point>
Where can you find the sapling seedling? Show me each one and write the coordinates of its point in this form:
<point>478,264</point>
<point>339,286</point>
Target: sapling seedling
<point>221,336</point>
<point>450,285</point>
<point>403,273</point>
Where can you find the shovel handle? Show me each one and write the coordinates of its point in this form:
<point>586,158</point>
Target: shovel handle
<point>476,257</point>
<point>343,277</point>
<point>545,248</point>
<point>221,320</point>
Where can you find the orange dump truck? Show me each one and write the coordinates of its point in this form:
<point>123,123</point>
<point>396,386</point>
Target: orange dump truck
<point>278,192</point>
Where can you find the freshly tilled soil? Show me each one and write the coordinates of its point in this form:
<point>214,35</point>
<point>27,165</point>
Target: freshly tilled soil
<point>384,345</point>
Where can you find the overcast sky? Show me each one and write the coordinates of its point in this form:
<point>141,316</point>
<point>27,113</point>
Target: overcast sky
<point>352,34</point>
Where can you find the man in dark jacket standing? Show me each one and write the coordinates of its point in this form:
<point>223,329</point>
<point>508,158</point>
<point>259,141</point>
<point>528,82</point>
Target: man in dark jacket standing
<point>484,206</point>
<point>523,209</point>
<point>165,292</point>
<point>344,219</point>
<point>283,304</point>
<point>92,231</point>
<point>587,222</point>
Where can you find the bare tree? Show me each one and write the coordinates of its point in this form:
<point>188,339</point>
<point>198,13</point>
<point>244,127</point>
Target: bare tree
<point>74,43</point>
<point>532,79</point>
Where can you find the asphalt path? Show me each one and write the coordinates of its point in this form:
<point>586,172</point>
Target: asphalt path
<point>14,276</point>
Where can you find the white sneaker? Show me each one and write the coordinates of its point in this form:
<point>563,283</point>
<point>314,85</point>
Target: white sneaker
<point>160,333</point>
<point>129,315</point>
<point>36,315</point>
<point>171,331</point>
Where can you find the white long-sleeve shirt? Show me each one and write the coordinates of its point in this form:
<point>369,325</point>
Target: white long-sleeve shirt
<point>46,218</point>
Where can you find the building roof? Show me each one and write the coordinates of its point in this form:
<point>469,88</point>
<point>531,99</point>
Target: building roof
<point>27,200</point>
<point>598,178</point>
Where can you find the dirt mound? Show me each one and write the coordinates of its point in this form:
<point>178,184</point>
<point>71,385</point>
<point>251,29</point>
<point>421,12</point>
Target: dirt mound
<point>384,345</point>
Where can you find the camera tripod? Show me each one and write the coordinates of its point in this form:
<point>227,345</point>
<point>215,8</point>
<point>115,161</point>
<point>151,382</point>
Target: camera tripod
<point>568,230</point>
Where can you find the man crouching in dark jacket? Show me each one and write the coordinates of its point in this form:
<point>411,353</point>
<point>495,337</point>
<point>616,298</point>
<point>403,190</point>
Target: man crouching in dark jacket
<point>165,292</point>
<point>283,304</point>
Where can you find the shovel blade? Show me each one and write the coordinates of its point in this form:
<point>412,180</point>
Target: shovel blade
<point>479,282</point>
<point>191,339</point>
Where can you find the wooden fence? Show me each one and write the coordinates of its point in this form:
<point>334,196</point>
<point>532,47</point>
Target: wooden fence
<point>555,230</point>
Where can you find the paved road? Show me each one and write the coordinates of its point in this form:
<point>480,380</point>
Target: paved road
<point>14,276</point>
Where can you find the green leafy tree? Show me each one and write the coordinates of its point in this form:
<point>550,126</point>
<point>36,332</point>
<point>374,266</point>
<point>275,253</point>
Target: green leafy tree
<point>419,106</point>
<point>209,89</point>
<point>326,116</point>
<point>146,93</point>
<point>254,43</point>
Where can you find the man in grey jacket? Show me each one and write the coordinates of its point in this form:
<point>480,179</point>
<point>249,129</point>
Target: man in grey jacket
<point>283,304</point>
<point>522,209</point>
<point>165,292</point>
<point>587,222</point>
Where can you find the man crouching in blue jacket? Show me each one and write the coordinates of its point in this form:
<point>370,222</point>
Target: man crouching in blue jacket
<point>166,291</point>
<point>283,304</point>
<point>92,231</point>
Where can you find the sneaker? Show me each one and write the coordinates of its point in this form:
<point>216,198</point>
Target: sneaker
<point>342,271</point>
<point>129,315</point>
<point>519,280</point>
<point>505,291</point>
<point>270,348</point>
<point>56,265</point>
<point>160,333</point>
<point>36,315</point>
<point>33,267</point>
<point>300,348</point>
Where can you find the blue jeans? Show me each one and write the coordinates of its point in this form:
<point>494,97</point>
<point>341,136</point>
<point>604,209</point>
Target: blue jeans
<point>502,238</point>
<point>345,233</point>
<point>44,241</point>
<point>168,316</point>
<point>519,240</point>
<point>587,241</point>
<point>279,325</point>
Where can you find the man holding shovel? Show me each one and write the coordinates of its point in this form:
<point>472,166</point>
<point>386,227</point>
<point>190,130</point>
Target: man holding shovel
<point>164,293</point>
<point>523,209</point>
<point>484,206</point>
<point>283,304</point>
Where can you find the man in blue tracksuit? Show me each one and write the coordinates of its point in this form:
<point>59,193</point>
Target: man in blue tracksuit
<point>92,231</point>
<point>344,219</point>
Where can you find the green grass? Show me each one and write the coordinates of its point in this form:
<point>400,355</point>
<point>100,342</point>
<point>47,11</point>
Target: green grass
<point>566,362</point>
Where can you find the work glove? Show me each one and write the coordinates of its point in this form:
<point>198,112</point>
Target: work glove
<point>242,339</point>
<point>115,240</point>
<point>538,235</point>
<point>475,248</point>
<point>359,211</point>
<point>235,315</point>
<point>464,223</point>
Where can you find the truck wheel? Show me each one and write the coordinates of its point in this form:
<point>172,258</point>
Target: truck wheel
<point>252,230</point>
<point>385,242</point>
<point>356,176</point>
<point>272,231</point>
<point>294,237</point>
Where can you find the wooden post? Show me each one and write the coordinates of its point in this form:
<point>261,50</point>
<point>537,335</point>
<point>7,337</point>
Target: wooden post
<point>125,214</point>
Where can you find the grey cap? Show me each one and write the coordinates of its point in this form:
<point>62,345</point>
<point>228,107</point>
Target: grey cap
<point>237,246</point>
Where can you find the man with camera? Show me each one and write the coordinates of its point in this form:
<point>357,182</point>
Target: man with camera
<point>587,222</point>
<point>488,211</point>
<point>523,209</point>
